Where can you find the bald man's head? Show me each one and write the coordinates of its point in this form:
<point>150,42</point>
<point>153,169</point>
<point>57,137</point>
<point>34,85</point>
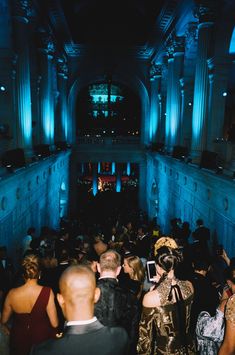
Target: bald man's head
<point>77,286</point>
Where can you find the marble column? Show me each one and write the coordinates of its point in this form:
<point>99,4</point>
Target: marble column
<point>155,79</point>
<point>181,135</point>
<point>128,169</point>
<point>168,103</point>
<point>118,178</point>
<point>61,123</point>
<point>175,119</point>
<point>46,89</point>
<point>201,87</point>
<point>23,92</point>
<point>113,168</point>
<point>218,78</point>
<point>94,178</point>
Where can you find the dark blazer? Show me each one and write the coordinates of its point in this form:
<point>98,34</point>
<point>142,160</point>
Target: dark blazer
<point>89,339</point>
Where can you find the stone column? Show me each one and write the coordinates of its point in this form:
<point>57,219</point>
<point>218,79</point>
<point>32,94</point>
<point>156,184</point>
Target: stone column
<point>21,17</point>
<point>94,179</point>
<point>181,133</point>
<point>46,90</point>
<point>175,118</point>
<point>113,168</point>
<point>218,77</point>
<point>200,101</point>
<point>128,169</point>
<point>118,179</point>
<point>61,127</point>
<point>168,103</point>
<point>155,113</point>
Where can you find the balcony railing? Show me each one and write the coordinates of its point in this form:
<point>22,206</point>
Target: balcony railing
<point>109,140</point>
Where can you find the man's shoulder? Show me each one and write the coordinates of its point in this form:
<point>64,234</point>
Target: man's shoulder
<point>110,336</point>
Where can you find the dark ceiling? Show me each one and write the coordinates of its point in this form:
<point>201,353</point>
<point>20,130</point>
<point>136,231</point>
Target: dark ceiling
<point>115,22</point>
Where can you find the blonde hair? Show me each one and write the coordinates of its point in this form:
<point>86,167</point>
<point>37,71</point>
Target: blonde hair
<point>165,241</point>
<point>31,267</point>
<point>110,260</point>
<point>136,265</point>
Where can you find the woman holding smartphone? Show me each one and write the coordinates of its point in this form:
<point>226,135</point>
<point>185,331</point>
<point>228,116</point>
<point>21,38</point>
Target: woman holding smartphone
<point>164,325</point>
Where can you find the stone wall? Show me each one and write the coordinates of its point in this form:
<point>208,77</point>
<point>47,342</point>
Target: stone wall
<point>31,197</point>
<point>176,189</point>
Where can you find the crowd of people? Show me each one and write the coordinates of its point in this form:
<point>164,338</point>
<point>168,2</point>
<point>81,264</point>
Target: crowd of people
<point>86,290</point>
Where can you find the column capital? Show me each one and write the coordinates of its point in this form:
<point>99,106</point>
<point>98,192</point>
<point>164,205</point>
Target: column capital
<point>23,10</point>
<point>62,67</point>
<point>205,11</point>
<point>45,42</point>
<point>191,34</point>
<point>175,45</point>
<point>155,71</point>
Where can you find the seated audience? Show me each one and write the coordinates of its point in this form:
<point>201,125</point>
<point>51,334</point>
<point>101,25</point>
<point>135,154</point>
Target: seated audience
<point>84,334</point>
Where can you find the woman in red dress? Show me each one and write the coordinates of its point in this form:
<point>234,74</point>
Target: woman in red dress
<point>33,309</point>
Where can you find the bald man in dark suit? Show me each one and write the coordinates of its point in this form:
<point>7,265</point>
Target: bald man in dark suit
<point>84,334</point>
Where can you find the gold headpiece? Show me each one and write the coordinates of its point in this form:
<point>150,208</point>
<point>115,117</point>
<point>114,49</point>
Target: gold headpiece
<point>165,241</point>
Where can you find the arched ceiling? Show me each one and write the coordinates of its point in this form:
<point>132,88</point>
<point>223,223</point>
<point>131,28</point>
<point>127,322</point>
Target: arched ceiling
<point>127,22</point>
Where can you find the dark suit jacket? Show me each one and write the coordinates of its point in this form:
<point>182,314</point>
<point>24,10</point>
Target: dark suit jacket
<point>89,339</point>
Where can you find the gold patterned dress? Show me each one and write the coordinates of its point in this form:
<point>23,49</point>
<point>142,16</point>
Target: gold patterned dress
<point>230,310</point>
<point>165,329</point>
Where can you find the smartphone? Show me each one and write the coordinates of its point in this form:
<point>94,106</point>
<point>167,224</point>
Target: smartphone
<point>151,270</point>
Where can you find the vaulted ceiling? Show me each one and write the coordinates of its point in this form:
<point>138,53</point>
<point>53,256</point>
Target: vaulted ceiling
<point>113,22</point>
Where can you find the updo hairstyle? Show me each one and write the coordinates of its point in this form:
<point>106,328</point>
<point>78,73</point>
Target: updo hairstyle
<point>168,258</point>
<point>31,267</point>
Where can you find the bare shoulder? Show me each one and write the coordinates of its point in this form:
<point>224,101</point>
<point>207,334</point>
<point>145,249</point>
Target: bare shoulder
<point>151,299</point>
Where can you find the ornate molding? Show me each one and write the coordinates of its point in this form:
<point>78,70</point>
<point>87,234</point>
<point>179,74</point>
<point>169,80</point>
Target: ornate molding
<point>45,42</point>
<point>23,10</point>
<point>62,67</point>
<point>205,10</point>
<point>175,44</point>
<point>155,71</point>
<point>191,34</point>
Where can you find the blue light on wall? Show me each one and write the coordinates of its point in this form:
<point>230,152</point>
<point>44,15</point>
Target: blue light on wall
<point>94,186</point>
<point>118,183</point>
<point>113,168</point>
<point>128,169</point>
<point>232,43</point>
<point>98,167</point>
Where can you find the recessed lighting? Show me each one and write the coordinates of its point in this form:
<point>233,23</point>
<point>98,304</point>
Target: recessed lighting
<point>2,88</point>
<point>225,93</point>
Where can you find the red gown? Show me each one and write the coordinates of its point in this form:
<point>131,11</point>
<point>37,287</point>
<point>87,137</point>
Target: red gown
<point>31,328</point>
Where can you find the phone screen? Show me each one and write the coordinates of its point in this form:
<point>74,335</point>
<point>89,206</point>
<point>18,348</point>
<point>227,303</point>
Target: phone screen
<point>151,269</point>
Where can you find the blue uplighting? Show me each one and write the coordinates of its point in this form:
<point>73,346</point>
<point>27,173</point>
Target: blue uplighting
<point>113,168</point>
<point>128,169</point>
<point>232,43</point>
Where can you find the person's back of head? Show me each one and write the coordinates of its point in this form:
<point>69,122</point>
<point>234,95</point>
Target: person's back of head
<point>201,265</point>
<point>168,258</point>
<point>199,222</point>
<point>78,292</point>
<point>110,261</point>
<point>31,267</point>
